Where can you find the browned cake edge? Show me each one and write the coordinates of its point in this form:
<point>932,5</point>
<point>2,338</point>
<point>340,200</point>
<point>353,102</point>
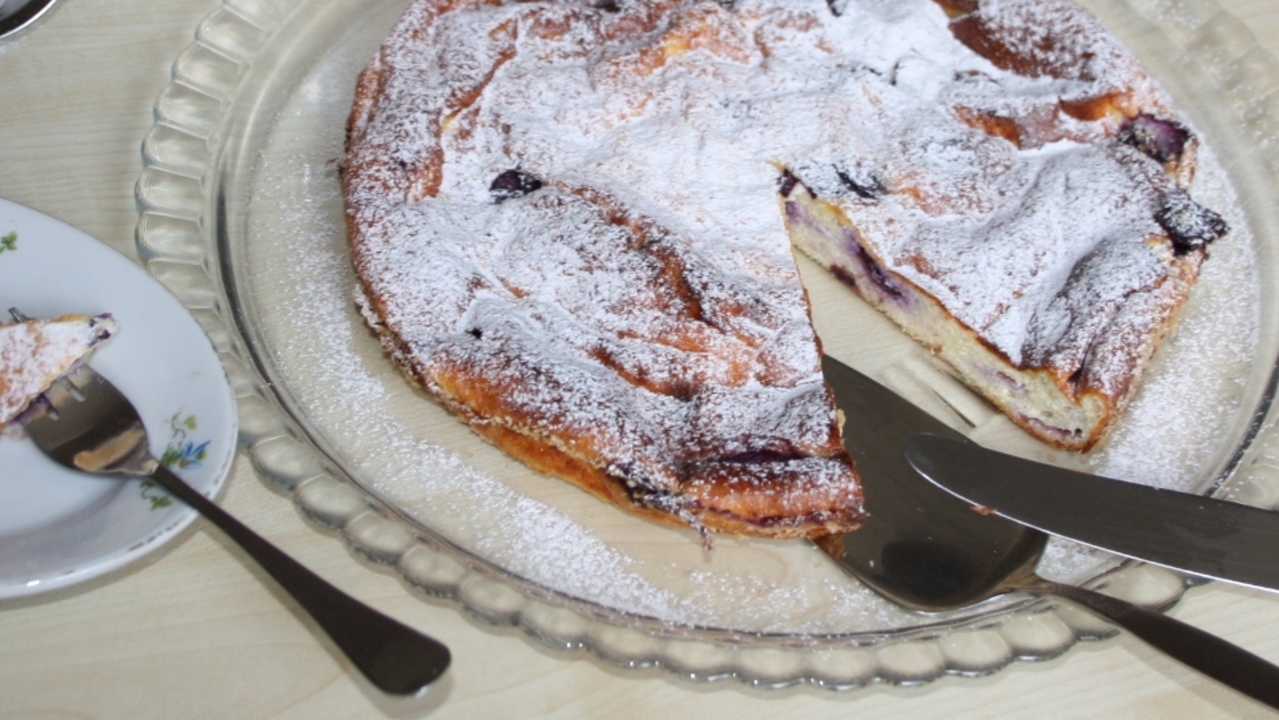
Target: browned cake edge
<point>789,504</point>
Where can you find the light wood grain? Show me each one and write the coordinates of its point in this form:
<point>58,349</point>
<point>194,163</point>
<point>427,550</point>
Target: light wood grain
<point>196,632</point>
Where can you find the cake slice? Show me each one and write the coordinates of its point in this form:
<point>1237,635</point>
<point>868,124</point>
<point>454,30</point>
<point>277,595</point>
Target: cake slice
<point>1045,256</point>
<point>35,353</point>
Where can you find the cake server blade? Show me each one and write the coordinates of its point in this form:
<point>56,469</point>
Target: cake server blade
<point>904,510</point>
<point>1200,535</point>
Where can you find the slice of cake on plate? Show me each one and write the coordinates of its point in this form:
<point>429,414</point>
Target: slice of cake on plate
<point>35,353</point>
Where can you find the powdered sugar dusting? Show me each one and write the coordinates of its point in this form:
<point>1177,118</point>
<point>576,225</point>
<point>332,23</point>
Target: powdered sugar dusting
<point>1170,437</point>
<point>411,453</point>
<point>656,346</point>
<point>416,457</point>
<point>681,115</point>
<point>33,354</point>
<point>350,394</point>
<point>351,400</point>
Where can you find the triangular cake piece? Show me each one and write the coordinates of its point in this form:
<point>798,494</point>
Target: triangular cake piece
<point>35,353</point>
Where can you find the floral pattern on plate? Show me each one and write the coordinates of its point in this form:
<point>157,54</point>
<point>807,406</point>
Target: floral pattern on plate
<point>59,527</point>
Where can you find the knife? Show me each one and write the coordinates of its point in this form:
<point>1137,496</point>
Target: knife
<point>923,550</point>
<point>1199,535</point>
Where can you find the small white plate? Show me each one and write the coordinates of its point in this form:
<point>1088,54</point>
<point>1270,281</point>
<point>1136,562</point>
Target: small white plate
<point>59,527</point>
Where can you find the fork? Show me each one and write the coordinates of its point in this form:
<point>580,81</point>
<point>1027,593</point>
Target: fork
<point>85,423</point>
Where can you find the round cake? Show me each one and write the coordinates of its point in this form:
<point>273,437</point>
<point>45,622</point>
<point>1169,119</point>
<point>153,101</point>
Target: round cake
<point>572,223</point>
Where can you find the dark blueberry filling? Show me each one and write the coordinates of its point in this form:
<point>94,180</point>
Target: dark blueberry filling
<point>843,276</point>
<point>1078,375</point>
<point>513,184</point>
<point>638,483</point>
<point>866,185</point>
<point>871,269</point>
<point>762,456</point>
<point>794,212</point>
<point>812,518</point>
<point>1051,430</point>
<point>607,6</point>
<point>1163,140</point>
<point>644,491</point>
<point>836,6</point>
<point>1189,225</point>
<point>476,333</point>
<point>877,274</point>
<point>788,181</point>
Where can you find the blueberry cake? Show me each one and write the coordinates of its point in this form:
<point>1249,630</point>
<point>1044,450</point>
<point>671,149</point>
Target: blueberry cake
<point>1044,250</point>
<point>35,353</point>
<point>572,223</point>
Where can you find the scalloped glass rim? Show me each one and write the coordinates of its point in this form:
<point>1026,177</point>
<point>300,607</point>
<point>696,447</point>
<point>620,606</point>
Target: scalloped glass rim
<point>182,239</point>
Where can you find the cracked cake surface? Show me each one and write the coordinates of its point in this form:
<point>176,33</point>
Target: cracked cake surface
<point>572,223</point>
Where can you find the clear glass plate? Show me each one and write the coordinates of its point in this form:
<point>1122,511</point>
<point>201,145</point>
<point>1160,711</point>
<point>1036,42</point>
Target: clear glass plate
<point>241,217</point>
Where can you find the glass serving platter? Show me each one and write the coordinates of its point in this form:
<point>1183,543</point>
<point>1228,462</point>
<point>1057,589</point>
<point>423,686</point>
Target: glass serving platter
<point>240,215</point>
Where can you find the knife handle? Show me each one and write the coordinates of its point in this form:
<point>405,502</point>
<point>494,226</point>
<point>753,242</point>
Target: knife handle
<point>1207,653</point>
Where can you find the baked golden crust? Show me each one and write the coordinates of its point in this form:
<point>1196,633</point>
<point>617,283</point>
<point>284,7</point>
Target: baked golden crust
<point>697,409</point>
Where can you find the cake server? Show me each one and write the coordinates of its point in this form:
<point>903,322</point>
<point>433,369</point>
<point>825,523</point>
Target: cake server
<point>1200,535</point>
<point>925,550</point>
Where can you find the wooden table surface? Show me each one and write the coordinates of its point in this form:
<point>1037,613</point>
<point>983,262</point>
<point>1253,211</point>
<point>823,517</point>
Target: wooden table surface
<point>195,630</point>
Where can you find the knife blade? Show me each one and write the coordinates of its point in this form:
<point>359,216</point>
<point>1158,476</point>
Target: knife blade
<point>1200,535</point>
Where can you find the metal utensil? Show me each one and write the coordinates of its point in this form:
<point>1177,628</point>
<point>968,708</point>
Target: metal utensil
<point>22,15</point>
<point>1208,537</point>
<point>86,424</point>
<point>925,550</point>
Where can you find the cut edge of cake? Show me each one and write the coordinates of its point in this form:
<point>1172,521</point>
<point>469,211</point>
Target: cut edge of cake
<point>1068,407</point>
<point>704,501</point>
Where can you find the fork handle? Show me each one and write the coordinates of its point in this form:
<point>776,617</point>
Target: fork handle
<point>393,656</point>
